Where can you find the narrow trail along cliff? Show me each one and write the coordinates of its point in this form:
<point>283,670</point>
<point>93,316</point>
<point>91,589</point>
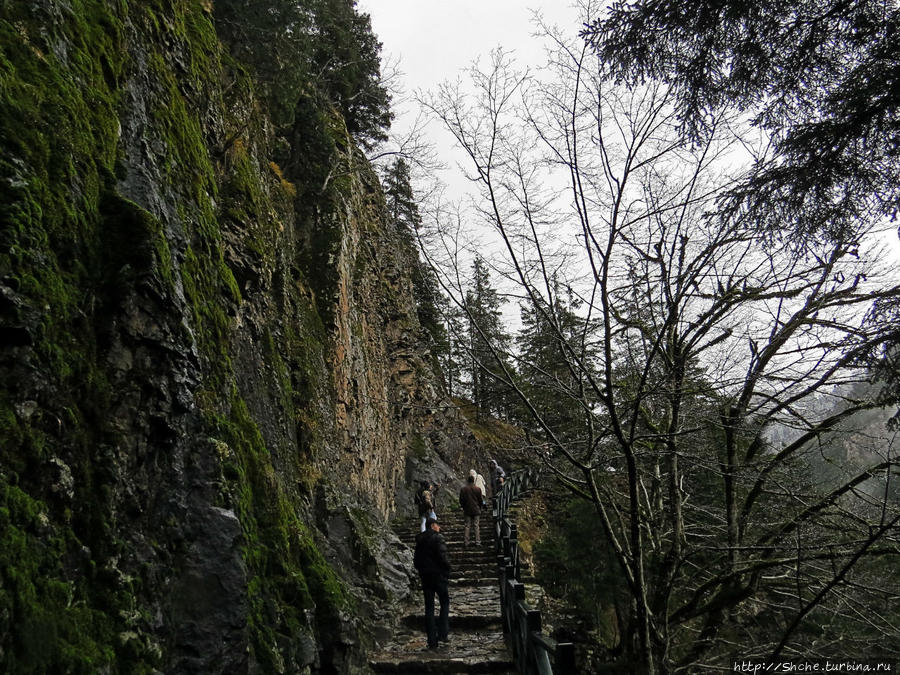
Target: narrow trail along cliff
<point>477,643</point>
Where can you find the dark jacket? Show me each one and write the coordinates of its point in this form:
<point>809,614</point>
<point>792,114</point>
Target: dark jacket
<point>470,499</point>
<point>431,555</point>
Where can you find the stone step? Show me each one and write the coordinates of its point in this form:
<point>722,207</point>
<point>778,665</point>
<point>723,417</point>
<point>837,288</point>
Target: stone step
<point>474,565</point>
<point>475,571</point>
<point>459,548</point>
<point>466,603</point>
<point>487,538</point>
<point>458,624</point>
<point>458,544</point>
<point>487,534</point>
<point>474,581</point>
<point>475,557</point>
<point>407,652</point>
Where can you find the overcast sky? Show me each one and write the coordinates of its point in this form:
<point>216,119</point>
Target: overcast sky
<point>434,39</point>
<point>431,41</point>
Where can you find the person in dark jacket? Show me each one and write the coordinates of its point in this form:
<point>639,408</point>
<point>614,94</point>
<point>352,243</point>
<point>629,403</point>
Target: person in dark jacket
<point>434,571</point>
<point>498,477</point>
<point>425,498</point>
<point>471,499</point>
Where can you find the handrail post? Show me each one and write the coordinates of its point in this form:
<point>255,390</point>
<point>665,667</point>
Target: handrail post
<point>532,625</point>
<point>514,551</point>
<point>565,659</point>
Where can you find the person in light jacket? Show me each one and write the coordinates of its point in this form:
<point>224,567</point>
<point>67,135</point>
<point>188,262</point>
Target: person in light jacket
<point>479,483</point>
<point>425,500</point>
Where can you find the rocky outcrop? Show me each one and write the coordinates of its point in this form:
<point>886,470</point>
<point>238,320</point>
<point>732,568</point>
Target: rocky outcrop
<point>213,384</point>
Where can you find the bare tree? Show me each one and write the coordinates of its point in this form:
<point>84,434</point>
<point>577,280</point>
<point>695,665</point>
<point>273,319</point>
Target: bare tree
<point>407,138</point>
<point>699,339</point>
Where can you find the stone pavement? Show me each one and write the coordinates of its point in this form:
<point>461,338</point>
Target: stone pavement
<point>477,643</point>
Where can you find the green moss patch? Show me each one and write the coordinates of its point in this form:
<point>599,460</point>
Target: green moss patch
<point>44,620</point>
<point>288,573</point>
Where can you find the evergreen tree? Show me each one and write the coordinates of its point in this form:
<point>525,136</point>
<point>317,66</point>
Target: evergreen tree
<point>324,45</point>
<point>821,77</point>
<point>401,202</point>
<point>274,38</point>
<point>551,338</point>
<point>488,342</point>
<point>346,61</point>
<point>403,212</point>
<point>453,359</point>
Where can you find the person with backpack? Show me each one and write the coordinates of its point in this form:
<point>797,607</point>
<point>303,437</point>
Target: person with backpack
<point>424,500</point>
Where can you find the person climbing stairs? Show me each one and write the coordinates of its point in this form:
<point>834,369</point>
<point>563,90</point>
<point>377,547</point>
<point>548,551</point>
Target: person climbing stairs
<point>477,643</point>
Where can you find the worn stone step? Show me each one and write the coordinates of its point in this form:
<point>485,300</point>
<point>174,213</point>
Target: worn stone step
<point>469,580</point>
<point>459,624</point>
<point>475,581</point>
<point>479,566</point>
<point>487,534</point>
<point>472,558</point>
<point>407,652</point>
<point>479,572</point>
<point>458,543</point>
<point>473,563</point>
<point>459,537</point>
<point>488,571</point>
<point>459,550</point>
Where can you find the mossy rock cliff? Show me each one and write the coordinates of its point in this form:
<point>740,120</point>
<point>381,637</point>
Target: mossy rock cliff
<point>204,400</point>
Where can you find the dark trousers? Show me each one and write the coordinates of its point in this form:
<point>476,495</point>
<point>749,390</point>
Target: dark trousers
<point>440,629</point>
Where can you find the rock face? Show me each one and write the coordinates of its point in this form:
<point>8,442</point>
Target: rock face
<point>212,377</point>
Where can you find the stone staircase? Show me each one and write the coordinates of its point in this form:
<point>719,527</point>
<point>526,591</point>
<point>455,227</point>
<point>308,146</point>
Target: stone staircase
<point>477,643</point>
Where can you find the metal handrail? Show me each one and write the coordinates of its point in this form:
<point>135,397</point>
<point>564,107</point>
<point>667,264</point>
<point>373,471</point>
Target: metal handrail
<point>534,652</point>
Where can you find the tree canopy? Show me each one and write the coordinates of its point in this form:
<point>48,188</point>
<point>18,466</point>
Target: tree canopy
<point>821,78</point>
<point>296,45</point>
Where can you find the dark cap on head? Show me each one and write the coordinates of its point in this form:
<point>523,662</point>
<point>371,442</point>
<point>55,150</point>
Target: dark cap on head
<point>429,522</point>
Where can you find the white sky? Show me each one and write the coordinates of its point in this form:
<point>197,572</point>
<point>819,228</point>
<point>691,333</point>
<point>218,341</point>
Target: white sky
<point>435,39</point>
<point>432,41</point>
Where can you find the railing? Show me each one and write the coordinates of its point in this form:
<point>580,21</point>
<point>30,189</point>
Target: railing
<point>534,652</point>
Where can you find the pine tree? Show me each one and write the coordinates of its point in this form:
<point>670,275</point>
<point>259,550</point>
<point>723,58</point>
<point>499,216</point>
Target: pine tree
<point>453,358</point>
<point>346,61</point>
<point>403,213</point>
<point>488,342</point>
<point>551,339</point>
<point>401,202</point>
<point>293,46</point>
